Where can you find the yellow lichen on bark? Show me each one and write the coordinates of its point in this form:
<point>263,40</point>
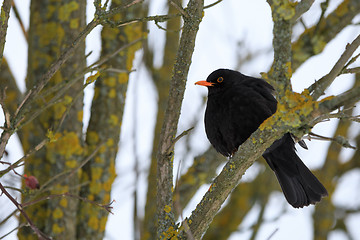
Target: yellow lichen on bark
<point>292,111</point>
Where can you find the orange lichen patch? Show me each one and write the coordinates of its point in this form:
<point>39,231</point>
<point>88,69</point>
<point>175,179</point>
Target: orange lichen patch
<point>80,115</point>
<point>66,10</point>
<point>60,189</point>
<point>57,213</point>
<point>286,11</point>
<point>67,99</point>
<point>112,93</point>
<point>318,44</point>
<point>96,173</point>
<point>291,111</point>
<point>71,163</point>
<point>59,110</point>
<point>106,197</point>
<point>74,23</point>
<point>167,209</point>
<point>110,142</point>
<point>93,223</point>
<point>171,233</point>
<point>95,187</point>
<point>110,81</point>
<point>56,229</point>
<point>123,78</point>
<point>113,120</point>
<point>43,58</point>
<point>99,159</point>
<point>212,186</point>
<point>92,78</point>
<point>96,92</point>
<point>67,145</point>
<point>107,184</point>
<point>342,9</point>
<point>109,34</point>
<point>53,137</point>
<point>91,197</point>
<point>63,203</point>
<point>102,224</point>
<point>288,72</point>
<point>50,32</point>
<point>92,137</point>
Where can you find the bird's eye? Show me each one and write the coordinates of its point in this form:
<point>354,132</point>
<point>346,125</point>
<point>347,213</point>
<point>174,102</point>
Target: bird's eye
<point>220,79</point>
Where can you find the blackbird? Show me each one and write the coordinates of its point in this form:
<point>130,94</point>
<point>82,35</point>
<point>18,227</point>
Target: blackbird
<point>237,105</point>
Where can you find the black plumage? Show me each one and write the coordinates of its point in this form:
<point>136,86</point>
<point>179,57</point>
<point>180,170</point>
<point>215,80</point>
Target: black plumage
<point>236,106</point>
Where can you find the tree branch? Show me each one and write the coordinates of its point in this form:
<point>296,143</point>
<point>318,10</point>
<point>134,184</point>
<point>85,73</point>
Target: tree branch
<point>280,73</point>
<point>318,88</point>
<point>301,8</point>
<point>5,14</point>
<point>165,213</point>
<point>229,177</point>
<point>40,234</point>
<point>313,40</point>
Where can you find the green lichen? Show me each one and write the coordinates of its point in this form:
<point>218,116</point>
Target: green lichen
<point>292,111</point>
<point>66,10</point>
<point>2,16</point>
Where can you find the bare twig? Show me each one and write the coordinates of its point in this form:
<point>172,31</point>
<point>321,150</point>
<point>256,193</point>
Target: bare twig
<point>351,70</point>
<point>318,88</point>
<point>184,133</point>
<point>106,207</point>
<point>18,17</point>
<point>6,134</point>
<point>301,8</point>
<point>213,4</point>
<point>273,233</point>
<point>40,234</point>
<point>11,231</point>
<point>338,139</point>
<point>179,8</point>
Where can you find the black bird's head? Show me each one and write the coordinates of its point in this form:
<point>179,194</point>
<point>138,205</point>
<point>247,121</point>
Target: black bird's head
<point>220,79</point>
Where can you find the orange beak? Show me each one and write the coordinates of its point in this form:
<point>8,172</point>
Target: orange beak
<point>204,83</point>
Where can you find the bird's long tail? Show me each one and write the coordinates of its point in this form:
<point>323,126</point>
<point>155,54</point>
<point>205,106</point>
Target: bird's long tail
<point>298,184</point>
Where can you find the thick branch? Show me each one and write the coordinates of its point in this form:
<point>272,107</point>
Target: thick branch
<point>229,177</point>
<point>280,73</point>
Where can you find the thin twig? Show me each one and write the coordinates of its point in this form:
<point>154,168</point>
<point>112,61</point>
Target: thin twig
<point>69,173</point>
<point>18,17</point>
<point>351,70</point>
<point>179,8</point>
<point>40,234</point>
<point>273,233</point>
<point>178,138</point>
<point>338,139</point>
<point>107,206</point>
<point>301,8</point>
<point>318,88</point>
<point>213,4</point>
<point>11,231</point>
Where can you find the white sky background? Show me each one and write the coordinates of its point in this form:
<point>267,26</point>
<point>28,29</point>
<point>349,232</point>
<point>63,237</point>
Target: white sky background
<point>222,27</point>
